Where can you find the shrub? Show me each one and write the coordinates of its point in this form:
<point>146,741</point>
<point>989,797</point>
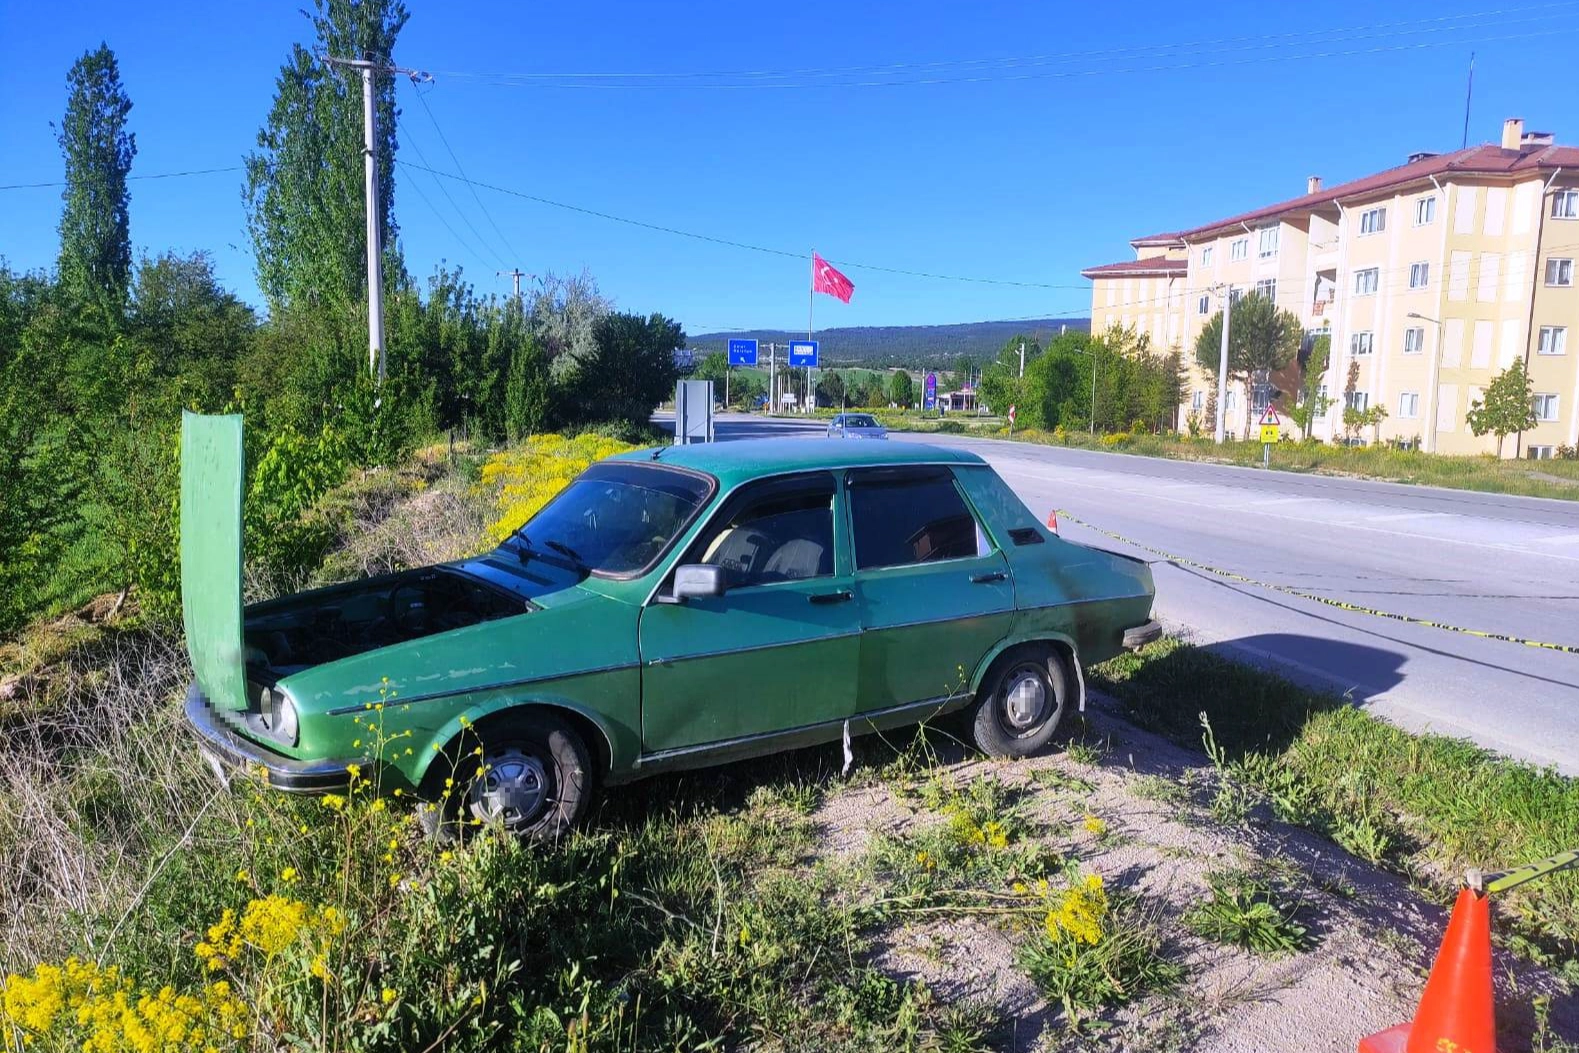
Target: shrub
<point>528,476</point>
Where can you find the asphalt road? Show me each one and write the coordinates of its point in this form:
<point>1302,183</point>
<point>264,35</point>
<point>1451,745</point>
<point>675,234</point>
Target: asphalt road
<point>1508,565</point>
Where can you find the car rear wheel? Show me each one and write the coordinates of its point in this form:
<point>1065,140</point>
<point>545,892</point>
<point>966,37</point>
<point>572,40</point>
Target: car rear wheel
<point>1023,699</point>
<point>527,775</point>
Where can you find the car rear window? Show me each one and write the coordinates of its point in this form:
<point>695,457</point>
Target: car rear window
<point>910,516</point>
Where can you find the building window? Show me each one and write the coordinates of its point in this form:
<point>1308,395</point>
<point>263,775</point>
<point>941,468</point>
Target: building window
<point>1553,340</point>
<point>1266,247</point>
<point>1204,304</point>
<point>1414,340</point>
<point>1373,221</point>
<point>1409,404</point>
<point>1239,248</point>
<point>1198,401</point>
<point>1359,401</point>
<point>1545,407</point>
<point>1559,272</point>
<point>1367,281</point>
<point>1267,288</point>
<point>1539,453</point>
<point>1321,393</point>
<point>1360,343</point>
<point>1565,204</point>
<point>1425,211</point>
<point>1206,256</point>
<point>1230,400</point>
<point>1235,295</point>
<point>1419,275</point>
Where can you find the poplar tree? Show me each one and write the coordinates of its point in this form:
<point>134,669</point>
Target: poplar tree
<point>304,193</point>
<point>95,236</point>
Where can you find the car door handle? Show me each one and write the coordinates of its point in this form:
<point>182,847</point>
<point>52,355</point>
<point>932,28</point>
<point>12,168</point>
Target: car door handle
<point>990,576</point>
<point>831,597</point>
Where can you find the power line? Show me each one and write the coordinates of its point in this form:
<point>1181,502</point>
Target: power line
<point>768,79</point>
<point>727,241</point>
<point>415,185</point>
<point>504,241</point>
<point>157,175</point>
<point>1250,42</point>
<point>406,140</point>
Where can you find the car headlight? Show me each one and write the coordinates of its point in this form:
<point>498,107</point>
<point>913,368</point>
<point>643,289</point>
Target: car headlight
<point>279,715</point>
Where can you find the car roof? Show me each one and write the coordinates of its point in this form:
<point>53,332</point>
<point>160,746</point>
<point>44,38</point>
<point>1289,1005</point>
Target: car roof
<point>733,462</point>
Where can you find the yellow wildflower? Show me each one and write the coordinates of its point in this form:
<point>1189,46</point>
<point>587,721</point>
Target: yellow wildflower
<point>332,801</point>
<point>1094,825</point>
<point>387,995</point>
<point>289,875</point>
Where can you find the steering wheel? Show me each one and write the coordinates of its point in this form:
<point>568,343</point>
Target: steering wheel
<point>406,608</point>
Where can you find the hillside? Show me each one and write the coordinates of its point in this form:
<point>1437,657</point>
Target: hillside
<point>904,345</point>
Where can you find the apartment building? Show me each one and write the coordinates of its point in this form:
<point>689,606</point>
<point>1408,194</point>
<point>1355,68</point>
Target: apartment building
<point>1433,277</point>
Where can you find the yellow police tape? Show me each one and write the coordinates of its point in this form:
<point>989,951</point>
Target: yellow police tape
<point>1528,872</point>
<point>1342,605</point>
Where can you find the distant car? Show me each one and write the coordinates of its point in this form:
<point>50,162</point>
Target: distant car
<point>670,608</point>
<point>856,426</point>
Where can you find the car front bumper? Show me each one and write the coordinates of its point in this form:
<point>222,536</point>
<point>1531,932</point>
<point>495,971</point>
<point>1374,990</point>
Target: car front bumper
<point>226,749</point>
<point>1141,635</point>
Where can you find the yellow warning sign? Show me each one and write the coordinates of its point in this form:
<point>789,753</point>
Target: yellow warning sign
<point>1270,433</point>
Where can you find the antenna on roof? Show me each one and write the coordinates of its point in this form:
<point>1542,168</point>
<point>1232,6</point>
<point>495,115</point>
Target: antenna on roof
<point>1469,93</point>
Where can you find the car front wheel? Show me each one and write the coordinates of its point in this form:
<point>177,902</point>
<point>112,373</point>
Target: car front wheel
<point>528,775</point>
<point>1023,699</point>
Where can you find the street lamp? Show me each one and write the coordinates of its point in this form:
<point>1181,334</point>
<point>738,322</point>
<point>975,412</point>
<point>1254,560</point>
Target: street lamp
<point>1431,380</point>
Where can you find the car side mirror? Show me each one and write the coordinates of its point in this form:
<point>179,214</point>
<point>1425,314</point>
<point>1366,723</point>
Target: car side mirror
<point>696,580</point>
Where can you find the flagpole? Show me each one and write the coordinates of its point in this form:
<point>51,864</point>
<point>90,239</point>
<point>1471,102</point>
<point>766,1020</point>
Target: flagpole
<point>811,300</point>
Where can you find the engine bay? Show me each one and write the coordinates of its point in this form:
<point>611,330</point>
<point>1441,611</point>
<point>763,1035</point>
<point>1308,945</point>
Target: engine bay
<point>288,635</point>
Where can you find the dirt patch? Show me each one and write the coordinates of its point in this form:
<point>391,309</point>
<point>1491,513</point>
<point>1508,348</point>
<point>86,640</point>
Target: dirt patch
<point>1140,817</point>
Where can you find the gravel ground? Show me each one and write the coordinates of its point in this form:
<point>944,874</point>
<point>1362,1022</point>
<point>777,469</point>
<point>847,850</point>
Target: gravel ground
<point>1372,936</point>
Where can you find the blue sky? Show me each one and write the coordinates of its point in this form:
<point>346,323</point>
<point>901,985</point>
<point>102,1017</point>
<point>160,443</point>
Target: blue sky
<point>1019,166</point>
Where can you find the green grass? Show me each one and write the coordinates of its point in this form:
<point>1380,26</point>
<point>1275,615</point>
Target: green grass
<point>1427,805</point>
<point>1250,911</point>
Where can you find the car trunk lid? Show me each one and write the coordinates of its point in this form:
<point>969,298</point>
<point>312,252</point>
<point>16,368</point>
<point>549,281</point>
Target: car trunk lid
<point>212,467</point>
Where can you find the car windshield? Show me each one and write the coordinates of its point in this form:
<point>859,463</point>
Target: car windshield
<point>616,518</point>
<point>859,420</point>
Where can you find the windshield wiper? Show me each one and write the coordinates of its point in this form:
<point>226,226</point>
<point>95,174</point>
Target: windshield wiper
<point>566,551</point>
<point>522,547</point>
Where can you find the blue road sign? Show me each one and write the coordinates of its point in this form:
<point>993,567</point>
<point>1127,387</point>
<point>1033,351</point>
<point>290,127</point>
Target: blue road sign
<point>742,352</point>
<point>803,353</point>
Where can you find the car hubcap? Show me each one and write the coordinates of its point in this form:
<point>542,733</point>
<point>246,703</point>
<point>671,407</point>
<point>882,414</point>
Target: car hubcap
<point>512,789</point>
<point>1024,700</point>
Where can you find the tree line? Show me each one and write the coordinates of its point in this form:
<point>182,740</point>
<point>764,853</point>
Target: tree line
<point>99,355</point>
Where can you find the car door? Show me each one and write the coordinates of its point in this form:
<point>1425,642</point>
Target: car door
<point>779,649</point>
<point>933,591</point>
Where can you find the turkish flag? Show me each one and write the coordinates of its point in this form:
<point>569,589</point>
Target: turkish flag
<point>825,279</point>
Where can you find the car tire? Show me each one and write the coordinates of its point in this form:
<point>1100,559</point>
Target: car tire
<point>1025,696</point>
<point>528,775</point>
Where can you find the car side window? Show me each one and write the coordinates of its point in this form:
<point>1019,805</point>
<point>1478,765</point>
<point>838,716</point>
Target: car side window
<point>778,530</point>
<point>910,516</point>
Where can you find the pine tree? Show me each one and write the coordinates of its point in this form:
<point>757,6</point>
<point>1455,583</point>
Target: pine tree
<point>95,235</point>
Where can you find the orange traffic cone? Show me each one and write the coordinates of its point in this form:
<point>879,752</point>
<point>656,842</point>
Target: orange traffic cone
<point>1456,1013</point>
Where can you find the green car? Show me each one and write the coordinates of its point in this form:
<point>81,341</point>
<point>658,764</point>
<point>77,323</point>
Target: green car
<point>670,608</point>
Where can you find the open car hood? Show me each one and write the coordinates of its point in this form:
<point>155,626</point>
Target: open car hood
<point>212,467</point>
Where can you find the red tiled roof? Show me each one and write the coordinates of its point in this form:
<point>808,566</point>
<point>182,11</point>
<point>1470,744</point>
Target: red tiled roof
<point>1170,238</point>
<point>1156,265</point>
<point>1477,160</point>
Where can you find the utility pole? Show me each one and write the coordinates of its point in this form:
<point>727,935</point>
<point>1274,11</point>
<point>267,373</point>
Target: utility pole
<point>516,276</point>
<point>375,270</point>
<point>1220,431</point>
<point>773,394</point>
<point>375,267</point>
<point>1022,358</point>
